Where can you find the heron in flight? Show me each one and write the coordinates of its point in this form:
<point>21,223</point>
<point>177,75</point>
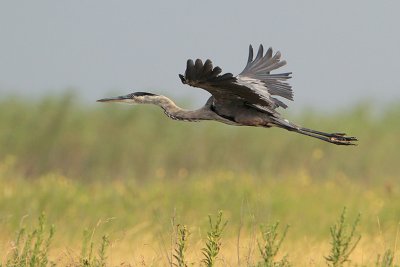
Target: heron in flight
<point>248,99</point>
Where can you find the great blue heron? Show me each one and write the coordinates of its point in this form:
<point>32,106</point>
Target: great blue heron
<point>246,99</point>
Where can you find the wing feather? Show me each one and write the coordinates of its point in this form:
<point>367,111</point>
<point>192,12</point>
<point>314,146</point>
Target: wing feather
<point>259,53</point>
<point>198,67</point>
<point>250,59</point>
<point>274,83</point>
<point>189,69</point>
<point>254,86</point>
<point>207,68</point>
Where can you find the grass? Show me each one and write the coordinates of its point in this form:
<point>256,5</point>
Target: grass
<point>31,249</point>
<point>387,260</point>
<point>343,241</point>
<point>136,216</point>
<point>24,253</point>
<point>213,243</point>
<point>181,246</point>
<point>270,246</point>
<point>109,142</point>
<point>124,172</point>
<point>88,257</point>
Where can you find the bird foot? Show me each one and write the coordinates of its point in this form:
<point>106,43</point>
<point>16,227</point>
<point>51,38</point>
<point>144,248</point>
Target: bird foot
<point>342,139</point>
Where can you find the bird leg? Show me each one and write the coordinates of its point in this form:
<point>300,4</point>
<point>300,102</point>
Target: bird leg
<point>334,138</point>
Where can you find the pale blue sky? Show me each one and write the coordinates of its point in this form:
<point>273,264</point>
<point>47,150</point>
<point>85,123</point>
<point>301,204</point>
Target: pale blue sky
<point>339,51</point>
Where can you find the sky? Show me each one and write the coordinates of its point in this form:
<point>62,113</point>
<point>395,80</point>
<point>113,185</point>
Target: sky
<point>340,52</point>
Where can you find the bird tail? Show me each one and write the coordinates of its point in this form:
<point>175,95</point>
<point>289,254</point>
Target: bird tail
<point>334,138</point>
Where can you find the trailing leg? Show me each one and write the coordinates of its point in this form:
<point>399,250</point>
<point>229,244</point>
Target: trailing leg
<point>334,138</point>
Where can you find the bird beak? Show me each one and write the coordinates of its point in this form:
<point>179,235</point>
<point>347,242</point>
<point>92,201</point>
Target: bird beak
<point>114,99</point>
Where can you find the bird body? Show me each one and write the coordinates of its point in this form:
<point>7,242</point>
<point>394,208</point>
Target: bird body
<point>248,99</point>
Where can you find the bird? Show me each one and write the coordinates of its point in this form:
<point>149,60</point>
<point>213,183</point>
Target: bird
<point>247,99</point>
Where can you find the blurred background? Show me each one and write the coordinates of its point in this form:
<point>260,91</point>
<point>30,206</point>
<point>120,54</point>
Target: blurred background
<point>83,162</point>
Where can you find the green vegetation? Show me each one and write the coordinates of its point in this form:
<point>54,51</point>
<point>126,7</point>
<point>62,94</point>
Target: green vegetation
<point>31,249</point>
<point>386,260</point>
<point>343,242</point>
<point>343,245</point>
<point>213,243</point>
<point>122,142</point>
<point>181,246</point>
<point>123,172</point>
<point>87,257</point>
<point>271,245</point>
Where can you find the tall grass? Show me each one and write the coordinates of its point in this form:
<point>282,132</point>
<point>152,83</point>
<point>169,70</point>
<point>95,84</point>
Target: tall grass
<point>137,215</point>
<point>31,249</point>
<point>132,168</point>
<point>181,246</point>
<point>270,246</point>
<point>343,243</point>
<point>213,243</point>
<point>100,142</point>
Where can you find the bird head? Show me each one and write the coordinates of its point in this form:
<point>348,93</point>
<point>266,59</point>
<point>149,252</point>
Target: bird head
<point>133,98</point>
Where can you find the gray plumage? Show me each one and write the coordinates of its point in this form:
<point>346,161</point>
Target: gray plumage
<point>248,99</point>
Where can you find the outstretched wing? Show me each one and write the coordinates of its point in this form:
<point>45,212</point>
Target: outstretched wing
<point>254,85</point>
<point>257,74</point>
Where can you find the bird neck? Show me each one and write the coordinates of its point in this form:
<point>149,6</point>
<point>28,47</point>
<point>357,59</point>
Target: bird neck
<point>173,111</point>
<point>177,113</point>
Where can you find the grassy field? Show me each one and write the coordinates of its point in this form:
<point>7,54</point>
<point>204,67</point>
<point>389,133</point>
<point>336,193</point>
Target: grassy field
<point>134,175</point>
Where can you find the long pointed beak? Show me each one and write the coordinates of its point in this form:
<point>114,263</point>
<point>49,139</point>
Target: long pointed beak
<point>114,99</point>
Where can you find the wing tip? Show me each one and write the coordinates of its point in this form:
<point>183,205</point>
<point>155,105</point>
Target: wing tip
<point>198,63</point>
<point>183,80</point>
<point>189,64</point>
<point>250,58</point>
<point>260,52</point>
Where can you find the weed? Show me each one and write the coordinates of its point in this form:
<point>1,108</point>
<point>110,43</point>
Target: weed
<point>31,249</point>
<point>213,243</point>
<point>103,251</point>
<point>386,260</point>
<point>343,241</point>
<point>87,258</point>
<point>270,246</point>
<point>181,246</point>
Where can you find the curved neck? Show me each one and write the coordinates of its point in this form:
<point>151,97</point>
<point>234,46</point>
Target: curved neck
<point>177,113</point>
